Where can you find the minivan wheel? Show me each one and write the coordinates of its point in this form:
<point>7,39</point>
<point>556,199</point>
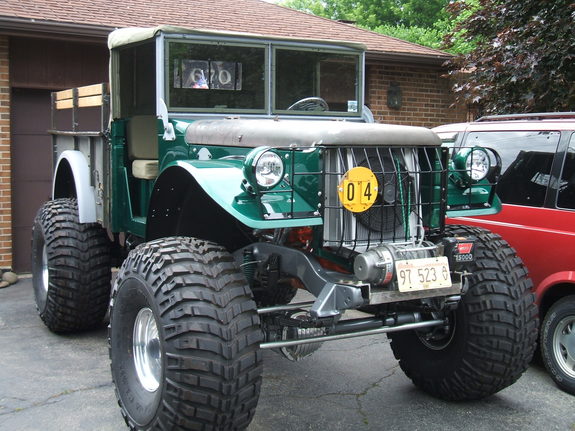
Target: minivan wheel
<point>558,343</point>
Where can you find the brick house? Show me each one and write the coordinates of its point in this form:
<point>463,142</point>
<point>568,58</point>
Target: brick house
<point>49,45</point>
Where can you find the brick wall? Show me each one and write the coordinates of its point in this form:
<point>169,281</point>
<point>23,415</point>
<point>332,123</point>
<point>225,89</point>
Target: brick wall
<point>5,163</point>
<point>426,95</point>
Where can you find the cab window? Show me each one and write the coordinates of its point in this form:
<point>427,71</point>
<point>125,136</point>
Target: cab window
<point>135,94</point>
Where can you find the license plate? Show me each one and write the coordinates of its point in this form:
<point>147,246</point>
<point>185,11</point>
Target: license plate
<point>422,274</point>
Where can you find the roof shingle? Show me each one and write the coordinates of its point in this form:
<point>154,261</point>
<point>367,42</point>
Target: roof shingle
<point>249,16</point>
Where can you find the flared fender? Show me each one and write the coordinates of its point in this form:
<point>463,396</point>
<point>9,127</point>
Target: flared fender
<point>186,191</point>
<point>72,179</point>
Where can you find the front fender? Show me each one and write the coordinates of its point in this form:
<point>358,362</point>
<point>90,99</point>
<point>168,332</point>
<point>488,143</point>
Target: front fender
<point>222,181</point>
<point>194,193</point>
<point>564,279</point>
<point>72,179</point>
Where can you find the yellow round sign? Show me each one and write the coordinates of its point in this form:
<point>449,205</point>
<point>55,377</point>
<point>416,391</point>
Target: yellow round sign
<point>358,189</point>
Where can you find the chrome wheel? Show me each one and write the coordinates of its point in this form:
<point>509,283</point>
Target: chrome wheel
<point>191,378</point>
<point>564,345</point>
<point>147,352</point>
<point>45,275</point>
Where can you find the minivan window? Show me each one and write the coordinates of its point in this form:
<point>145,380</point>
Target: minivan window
<point>566,196</point>
<point>526,158</point>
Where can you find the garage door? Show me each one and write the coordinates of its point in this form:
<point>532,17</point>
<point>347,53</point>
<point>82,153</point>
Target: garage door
<point>31,167</point>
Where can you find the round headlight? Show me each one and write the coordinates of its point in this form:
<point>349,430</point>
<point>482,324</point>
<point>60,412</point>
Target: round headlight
<point>264,168</point>
<point>473,163</point>
<point>477,164</point>
<point>269,169</point>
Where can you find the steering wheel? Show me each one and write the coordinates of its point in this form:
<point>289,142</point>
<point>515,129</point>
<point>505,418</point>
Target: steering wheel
<point>310,104</point>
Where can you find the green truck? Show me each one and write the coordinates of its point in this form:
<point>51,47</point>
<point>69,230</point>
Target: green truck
<point>248,199</point>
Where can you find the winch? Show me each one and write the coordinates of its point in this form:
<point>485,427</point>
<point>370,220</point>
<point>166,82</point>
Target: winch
<point>377,264</point>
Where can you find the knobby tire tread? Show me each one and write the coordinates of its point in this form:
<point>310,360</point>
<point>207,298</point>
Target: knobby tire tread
<point>212,334</point>
<point>500,323</point>
<point>79,268</point>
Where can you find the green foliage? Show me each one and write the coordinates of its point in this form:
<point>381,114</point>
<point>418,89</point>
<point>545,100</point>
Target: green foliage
<point>523,60</point>
<point>430,37</point>
<point>373,13</point>
<point>425,22</point>
<point>315,7</point>
<point>433,37</point>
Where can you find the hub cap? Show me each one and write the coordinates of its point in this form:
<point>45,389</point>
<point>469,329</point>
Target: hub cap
<point>564,345</point>
<point>147,352</point>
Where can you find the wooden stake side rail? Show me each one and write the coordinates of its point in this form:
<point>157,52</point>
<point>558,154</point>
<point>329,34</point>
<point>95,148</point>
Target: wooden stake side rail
<point>71,100</point>
<point>74,115</point>
<point>81,97</point>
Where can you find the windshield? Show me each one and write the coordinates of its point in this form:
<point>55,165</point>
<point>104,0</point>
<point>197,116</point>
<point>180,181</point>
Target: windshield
<point>221,77</point>
<point>448,138</point>
<point>204,76</point>
<point>316,82</point>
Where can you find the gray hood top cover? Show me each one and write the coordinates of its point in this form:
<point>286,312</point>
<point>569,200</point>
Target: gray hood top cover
<point>297,133</point>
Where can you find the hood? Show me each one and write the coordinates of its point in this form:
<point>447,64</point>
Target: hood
<point>296,133</point>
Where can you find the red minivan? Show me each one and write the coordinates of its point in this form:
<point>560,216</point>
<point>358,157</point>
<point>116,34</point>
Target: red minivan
<point>537,189</point>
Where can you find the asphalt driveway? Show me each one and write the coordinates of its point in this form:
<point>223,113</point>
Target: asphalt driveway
<point>50,382</point>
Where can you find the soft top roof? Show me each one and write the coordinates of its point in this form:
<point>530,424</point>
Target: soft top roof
<point>129,35</point>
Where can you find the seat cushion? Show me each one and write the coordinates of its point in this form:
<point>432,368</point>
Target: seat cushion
<point>142,136</point>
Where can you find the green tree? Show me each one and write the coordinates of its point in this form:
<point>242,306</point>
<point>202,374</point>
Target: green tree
<point>523,60</point>
<point>431,37</point>
<point>373,13</point>
<point>425,22</point>
<point>440,36</point>
<point>315,7</point>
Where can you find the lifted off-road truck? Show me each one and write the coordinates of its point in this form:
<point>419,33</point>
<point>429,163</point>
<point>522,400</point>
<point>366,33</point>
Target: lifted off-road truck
<point>232,170</point>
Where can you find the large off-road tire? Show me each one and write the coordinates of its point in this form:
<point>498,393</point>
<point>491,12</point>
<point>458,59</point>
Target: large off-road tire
<point>70,268</point>
<point>184,338</point>
<point>558,343</point>
<point>493,330</point>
